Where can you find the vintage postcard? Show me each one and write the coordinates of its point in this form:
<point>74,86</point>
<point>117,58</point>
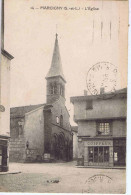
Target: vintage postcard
<point>63,96</point>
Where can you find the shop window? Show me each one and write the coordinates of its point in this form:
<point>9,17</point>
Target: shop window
<point>106,154</point>
<point>98,154</point>
<point>95,154</point>
<point>90,154</point>
<point>89,105</point>
<point>104,128</point>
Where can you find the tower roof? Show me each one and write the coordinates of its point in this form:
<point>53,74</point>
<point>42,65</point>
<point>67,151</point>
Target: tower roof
<point>56,65</point>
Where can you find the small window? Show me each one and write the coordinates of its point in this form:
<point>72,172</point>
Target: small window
<point>89,105</point>
<point>57,120</point>
<point>104,128</point>
<point>61,121</point>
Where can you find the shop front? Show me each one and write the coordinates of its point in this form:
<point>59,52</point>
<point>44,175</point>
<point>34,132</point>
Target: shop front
<point>3,155</point>
<point>119,147</point>
<point>98,153</point>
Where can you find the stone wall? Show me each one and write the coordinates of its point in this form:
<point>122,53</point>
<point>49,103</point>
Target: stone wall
<point>62,130</point>
<point>47,130</point>
<point>17,150</point>
<point>59,109</point>
<point>17,141</point>
<point>34,132</point>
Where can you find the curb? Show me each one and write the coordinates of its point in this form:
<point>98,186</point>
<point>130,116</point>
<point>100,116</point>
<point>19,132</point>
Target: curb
<point>6,173</point>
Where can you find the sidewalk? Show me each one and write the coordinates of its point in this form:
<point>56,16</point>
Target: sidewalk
<point>102,167</point>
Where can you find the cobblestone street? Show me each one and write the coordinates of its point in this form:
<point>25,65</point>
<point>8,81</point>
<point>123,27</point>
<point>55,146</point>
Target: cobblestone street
<point>62,178</point>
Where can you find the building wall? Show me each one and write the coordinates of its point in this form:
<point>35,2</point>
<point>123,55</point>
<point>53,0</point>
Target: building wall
<point>80,150</point>
<point>4,116</point>
<point>47,130</point>
<point>89,128</point>
<point>59,109</point>
<point>4,95</point>
<point>101,109</point>
<point>34,133</point>
<point>119,128</point>
<point>75,145</point>
<point>17,140</point>
<point>63,129</point>
<point>17,150</point>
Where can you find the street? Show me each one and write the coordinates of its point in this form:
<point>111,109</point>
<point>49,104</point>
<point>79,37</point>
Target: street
<point>62,178</point>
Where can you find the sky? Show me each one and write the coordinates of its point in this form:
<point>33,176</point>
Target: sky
<point>85,38</point>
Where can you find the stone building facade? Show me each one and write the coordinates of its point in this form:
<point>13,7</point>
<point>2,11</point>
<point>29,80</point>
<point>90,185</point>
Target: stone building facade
<point>4,109</point>
<point>43,132</point>
<point>101,123</point>
<point>75,142</point>
<point>5,62</point>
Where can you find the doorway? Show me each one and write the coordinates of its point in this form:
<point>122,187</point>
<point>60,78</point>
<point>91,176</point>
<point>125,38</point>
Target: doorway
<point>119,156</point>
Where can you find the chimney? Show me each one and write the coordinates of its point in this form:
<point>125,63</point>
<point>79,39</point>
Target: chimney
<point>85,92</point>
<point>102,90</point>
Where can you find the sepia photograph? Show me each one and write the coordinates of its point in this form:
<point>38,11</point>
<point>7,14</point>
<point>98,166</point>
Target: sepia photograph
<point>63,96</point>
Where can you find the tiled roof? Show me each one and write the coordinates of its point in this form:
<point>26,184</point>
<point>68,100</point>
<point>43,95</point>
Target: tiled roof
<point>124,90</point>
<point>118,93</point>
<point>21,111</point>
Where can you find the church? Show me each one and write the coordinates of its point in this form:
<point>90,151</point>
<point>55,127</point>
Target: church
<point>43,132</point>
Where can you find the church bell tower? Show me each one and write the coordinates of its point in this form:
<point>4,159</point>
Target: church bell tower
<point>55,88</point>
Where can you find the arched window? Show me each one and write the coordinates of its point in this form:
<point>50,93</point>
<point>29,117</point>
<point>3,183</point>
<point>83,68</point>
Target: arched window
<point>61,121</point>
<point>57,120</point>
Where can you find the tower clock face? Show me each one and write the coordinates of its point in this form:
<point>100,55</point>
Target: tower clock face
<point>101,75</point>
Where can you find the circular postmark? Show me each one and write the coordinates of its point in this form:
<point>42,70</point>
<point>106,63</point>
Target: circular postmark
<point>101,75</point>
<point>99,183</point>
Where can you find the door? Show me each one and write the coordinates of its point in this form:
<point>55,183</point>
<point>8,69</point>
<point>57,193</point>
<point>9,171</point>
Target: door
<point>119,156</point>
